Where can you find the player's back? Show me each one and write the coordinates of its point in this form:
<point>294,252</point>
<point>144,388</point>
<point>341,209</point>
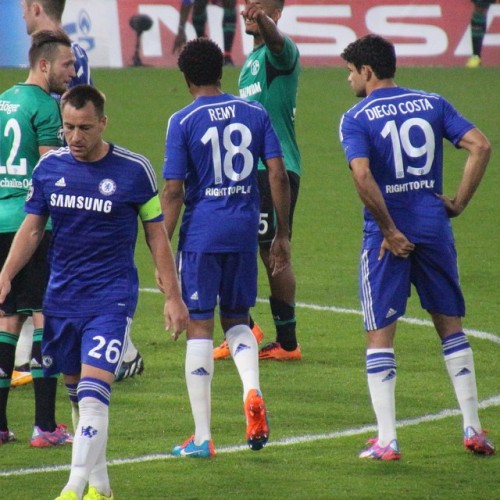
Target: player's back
<point>214,145</point>
<point>401,131</point>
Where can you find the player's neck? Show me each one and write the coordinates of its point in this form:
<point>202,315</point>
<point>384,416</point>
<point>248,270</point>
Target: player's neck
<point>380,84</point>
<point>205,90</point>
<point>39,80</point>
<point>99,152</point>
<point>46,23</point>
<point>257,41</point>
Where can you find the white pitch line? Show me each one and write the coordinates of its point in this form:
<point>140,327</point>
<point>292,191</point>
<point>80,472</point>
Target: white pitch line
<point>412,321</point>
<point>487,403</point>
<point>492,401</point>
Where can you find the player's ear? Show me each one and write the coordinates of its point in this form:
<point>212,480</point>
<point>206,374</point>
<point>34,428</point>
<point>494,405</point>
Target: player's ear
<point>43,65</point>
<point>37,9</point>
<point>276,15</point>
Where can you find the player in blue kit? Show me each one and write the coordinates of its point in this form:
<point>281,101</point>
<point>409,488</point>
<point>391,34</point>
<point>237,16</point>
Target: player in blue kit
<point>47,15</point>
<point>94,192</point>
<point>212,151</point>
<point>393,141</point>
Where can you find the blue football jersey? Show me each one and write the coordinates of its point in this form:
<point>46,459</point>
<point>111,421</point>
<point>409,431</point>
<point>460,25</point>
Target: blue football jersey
<point>401,132</point>
<point>94,209</point>
<point>82,67</point>
<point>214,146</point>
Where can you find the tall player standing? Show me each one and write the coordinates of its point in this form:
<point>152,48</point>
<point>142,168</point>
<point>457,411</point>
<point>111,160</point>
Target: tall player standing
<point>212,149</point>
<point>393,141</point>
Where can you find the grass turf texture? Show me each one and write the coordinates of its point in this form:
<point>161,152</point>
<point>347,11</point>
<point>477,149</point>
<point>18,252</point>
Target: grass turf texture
<point>326,392</point>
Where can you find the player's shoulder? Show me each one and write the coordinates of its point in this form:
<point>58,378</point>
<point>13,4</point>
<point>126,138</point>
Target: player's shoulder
<point>54,159</point>
<point>132,158</point>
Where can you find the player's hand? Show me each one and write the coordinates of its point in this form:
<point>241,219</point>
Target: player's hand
<point>398,244</point>
<point>251,12</point>
<point>279,255</point>
<point>176,316</point>
<point>453,209</point>
<point>179,42</point>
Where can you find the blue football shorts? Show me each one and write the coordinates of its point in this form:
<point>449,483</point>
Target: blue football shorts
<point>99,341</point>
<point>227,279</point>
<point>385,284</point>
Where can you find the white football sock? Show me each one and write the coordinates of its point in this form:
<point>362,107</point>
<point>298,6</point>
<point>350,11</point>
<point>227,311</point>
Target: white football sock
<point>99,477</point>
<point>382,386</point>
<point>89,444</point>
<point>23,348</point>
<point>199,369</point>
<point>460,366</point>
<point>245,353</point>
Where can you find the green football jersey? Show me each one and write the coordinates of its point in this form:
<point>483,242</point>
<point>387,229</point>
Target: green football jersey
<point>272,79</point>
<point>29,118</point>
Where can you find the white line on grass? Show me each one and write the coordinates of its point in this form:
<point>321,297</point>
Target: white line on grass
<point>492,401</point>
<point>412,321</point>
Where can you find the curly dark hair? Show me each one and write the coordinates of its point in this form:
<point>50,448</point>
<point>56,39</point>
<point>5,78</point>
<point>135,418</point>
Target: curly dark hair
<point>374,51</point>
<point>201,61</point>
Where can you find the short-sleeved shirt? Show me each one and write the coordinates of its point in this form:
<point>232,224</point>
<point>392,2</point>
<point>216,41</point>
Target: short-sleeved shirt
<point>29,118</point>
<point>272,79</point>
<point>401,132</point>
<point>214,145</point>
<point>94,208</point>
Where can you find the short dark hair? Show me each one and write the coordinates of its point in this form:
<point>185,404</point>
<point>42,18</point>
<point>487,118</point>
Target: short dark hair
<point>374,51</point>
<point>79,95</point>
<point>53,8</point>
<point>201,61</point>
<point>45,43</point>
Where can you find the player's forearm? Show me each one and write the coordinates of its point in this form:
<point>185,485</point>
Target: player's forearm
<point>172,201</point>
<point>161,252</point>
<point>270,33</point>
<point>373,200</point>
<point>479,149</point>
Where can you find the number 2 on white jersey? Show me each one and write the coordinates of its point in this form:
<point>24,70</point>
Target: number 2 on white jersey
<point>401,142</point>
<point>13,126</point>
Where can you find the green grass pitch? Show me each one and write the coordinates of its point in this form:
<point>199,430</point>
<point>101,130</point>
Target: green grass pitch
<point>320,412</point>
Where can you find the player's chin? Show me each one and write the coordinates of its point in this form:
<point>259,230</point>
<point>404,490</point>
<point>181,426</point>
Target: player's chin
<point>251,29</point>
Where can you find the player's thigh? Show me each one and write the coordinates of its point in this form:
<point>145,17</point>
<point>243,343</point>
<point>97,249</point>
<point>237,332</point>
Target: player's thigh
<point>61,344</point>
<point>200,276</point>
<point>104,341</point>
<point>267,225</point>
<point>384,287</point>
<point>238,289</point>
<point>436,279</point>
<point>33,279</point>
